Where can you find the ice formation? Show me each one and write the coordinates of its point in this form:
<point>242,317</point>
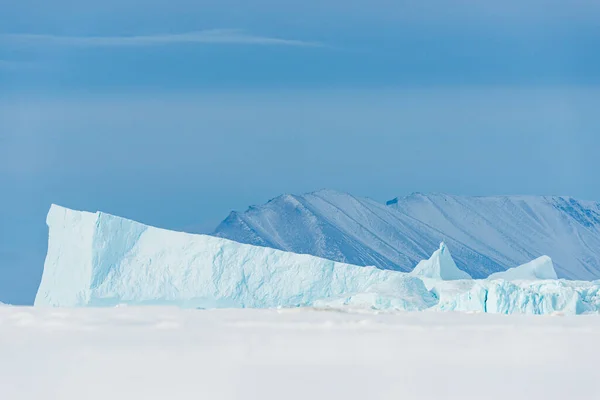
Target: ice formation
<point>515,292</point>
<point>440,266</point>
<point>540,268</point>
<point>519,297</point>
<point>96,259</point>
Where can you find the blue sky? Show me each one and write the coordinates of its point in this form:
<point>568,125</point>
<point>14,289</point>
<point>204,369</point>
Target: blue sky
<point>176,112</point>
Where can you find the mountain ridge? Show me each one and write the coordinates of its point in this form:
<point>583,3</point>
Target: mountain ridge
<point>486,234</point>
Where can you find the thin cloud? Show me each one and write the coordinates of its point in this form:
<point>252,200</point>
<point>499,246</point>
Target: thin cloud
<point>217,36</point>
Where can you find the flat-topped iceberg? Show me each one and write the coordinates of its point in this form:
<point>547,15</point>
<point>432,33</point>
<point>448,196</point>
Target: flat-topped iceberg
<point>96,259</point>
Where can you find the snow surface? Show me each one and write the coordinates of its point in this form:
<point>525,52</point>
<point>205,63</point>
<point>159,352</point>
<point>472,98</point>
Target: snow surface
<point>540,268</point>
<point>486,234</point>
<point>440,266</point>
<point>102,260</point>
<point>155,353</point>
<point>96,259</point>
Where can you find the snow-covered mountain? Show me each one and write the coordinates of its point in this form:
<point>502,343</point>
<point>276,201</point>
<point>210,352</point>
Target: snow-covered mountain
<point>485,234</point>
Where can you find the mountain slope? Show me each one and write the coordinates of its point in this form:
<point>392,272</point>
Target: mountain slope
<point>485,234</point>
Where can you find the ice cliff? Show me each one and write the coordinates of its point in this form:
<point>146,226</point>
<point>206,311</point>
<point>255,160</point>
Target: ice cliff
<point>96,259</point>
<point>518,297</point>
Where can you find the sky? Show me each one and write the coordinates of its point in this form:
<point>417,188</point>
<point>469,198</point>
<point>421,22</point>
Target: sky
<point>174,113</point>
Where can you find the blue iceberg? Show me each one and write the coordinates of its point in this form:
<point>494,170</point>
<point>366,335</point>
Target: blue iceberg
<point>96,259</point>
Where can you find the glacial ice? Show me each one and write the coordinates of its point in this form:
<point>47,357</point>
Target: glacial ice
<point>519,297</point>
<point>516,292</point>
<point>440,266</point>
<point>96,259</point>
<point>540,268</point>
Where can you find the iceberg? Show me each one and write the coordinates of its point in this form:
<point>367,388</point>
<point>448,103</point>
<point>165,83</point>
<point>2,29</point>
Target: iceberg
<point>540,268</point>
<point>532,288</point>
<point>520,297</point>
<point>527,289</point>
<point>97,259</point>
<point>440,266</point>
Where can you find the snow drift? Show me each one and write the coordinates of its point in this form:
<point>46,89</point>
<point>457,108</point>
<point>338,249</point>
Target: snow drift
<point>96,259</point>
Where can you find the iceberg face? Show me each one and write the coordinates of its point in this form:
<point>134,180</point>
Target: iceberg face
<point>440,266</point>
<point>540,268</point>
<point>70,241</point>
<point>96,259</point>
<point>520,297</point>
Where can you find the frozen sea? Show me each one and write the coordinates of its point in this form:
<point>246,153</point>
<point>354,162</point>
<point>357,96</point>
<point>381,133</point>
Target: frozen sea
<point>169,353</point>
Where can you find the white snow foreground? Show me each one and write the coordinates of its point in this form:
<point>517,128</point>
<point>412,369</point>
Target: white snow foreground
<point>96,259</point>
<point>156,353</point>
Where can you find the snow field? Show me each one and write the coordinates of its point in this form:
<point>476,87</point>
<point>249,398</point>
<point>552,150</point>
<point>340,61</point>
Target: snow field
<point>157,353</point>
